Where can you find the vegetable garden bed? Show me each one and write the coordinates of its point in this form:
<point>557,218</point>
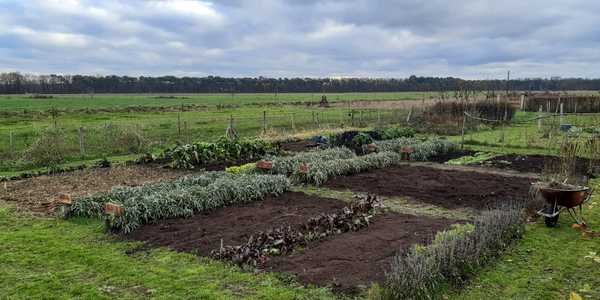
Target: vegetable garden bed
<point>445,188</point>
<point>351,261</point>
<point>346,261</point>
<point>233,225</point>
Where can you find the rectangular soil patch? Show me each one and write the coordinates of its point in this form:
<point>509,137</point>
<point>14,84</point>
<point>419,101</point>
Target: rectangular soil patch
<point>445,188</point>
<point>352,260</point>
<point>203,233</point>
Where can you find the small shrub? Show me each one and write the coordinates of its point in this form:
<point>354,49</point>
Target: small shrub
<point>397,132</point>
<point>49,149</point>
<point>123,140</point>
<point>453,255</point>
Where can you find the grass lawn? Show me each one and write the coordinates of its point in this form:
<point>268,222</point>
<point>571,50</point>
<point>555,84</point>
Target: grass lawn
<point>43,258</point>
<point>548,263</point>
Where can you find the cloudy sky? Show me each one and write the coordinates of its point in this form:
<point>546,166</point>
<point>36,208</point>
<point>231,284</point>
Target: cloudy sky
<point>358,38</point>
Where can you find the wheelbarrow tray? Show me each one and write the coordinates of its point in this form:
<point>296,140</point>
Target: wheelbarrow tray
<point>568,198</point>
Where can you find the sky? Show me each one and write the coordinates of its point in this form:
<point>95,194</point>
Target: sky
<point>304,38</point>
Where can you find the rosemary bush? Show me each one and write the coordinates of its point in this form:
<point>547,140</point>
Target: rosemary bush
<point>453,255</point>
<point>182,198</point>
<point>423,150</point>
<point>93,206</point>
<point>288,164</point>
<point>319,171</point>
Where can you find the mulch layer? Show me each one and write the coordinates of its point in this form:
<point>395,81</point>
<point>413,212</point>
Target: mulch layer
<point>234,224</point>
<point>35,194</point>
<point>351,261</point>
<point>534,163</point>
<point>446,188</point>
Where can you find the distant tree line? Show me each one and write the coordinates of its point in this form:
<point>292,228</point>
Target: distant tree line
<point>17,83</point>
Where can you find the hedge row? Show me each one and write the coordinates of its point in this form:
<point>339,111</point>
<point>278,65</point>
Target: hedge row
<point>454,255</point>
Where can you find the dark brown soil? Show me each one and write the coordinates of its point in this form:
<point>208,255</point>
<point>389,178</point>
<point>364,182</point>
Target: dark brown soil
<point>234,224</point>
<point>36,193</point>
<point>298,146</point>
<point>354,259</point>
<point>534,163</point>
<point>446,188</point>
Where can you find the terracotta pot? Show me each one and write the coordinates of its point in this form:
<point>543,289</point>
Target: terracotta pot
<point>113,209</point>
<point>265,165</point>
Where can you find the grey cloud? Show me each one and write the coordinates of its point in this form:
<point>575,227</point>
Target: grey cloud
<point>301,38</point>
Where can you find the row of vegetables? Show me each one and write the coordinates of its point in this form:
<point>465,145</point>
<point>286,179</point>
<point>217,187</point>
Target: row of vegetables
<point>191,156</point>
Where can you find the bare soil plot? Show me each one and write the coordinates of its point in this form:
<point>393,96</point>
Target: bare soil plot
<point>234,224</point>
<point>533,163</point>
<point>298,146</point>
<point>356,259</point>
<point>438,186</point>
<point>37,193</point>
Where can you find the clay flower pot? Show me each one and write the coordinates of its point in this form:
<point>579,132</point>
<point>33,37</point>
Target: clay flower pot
<point>113,209</point>
<point>264,165</point>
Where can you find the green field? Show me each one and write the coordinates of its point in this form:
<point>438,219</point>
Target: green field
<point>108,101</point>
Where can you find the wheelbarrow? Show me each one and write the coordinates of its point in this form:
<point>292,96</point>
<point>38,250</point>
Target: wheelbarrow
<point>562,197</point>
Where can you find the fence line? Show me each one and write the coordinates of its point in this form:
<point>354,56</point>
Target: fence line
<point>124,137</point>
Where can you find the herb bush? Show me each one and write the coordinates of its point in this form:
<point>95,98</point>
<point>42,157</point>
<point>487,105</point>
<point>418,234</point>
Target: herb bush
<point>181,198</point>
<point>190,156</point>
<point>49,149</point>
<point>319,171</point>
<point>423,149</point>
<point>453,256</point>
<point>397,132</point>
<point>286,165</point>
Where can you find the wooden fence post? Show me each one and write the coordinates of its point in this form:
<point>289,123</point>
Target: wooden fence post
<point>462,133</point>
<point>318,121</point>
<point>540,110</point>
<point>360,119</point>
<point>179,124</point>
<point>264,122</point>
<point>11,142</point>
<point>81,142</point>
<point>186,133</point>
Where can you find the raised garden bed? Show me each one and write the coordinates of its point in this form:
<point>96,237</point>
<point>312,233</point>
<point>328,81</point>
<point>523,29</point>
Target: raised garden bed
<point>446,188</point>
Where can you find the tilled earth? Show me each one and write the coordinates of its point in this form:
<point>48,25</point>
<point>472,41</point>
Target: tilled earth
<point>446,188</point>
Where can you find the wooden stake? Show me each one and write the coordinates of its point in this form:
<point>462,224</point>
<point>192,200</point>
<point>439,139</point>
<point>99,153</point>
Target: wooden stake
<point>462,133</point>
<point>264,122</point>
<point>81,142</point>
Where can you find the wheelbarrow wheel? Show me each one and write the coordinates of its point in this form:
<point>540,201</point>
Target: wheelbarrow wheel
<point>551,221</point>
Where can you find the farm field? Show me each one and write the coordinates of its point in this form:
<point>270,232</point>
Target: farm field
<point>116,101</point>
<point>429,201</point>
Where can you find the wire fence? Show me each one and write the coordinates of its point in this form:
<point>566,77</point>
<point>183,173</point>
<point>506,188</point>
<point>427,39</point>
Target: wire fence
<point>130,137</point>
<point>544,131</point>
